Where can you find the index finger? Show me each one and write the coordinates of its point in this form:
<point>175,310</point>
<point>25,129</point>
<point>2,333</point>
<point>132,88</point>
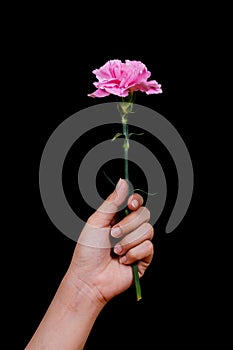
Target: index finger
<point>135,201</point>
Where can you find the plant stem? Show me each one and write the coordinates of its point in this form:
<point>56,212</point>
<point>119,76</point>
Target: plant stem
<point>137,281</point>
<point>126,148</point>
<point>126,168</point>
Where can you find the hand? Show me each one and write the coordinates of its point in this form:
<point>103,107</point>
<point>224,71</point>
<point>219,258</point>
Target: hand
<point>103,263</point>
<point>99,270</point>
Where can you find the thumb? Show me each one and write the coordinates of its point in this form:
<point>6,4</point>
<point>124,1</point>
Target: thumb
<point>105,213</point>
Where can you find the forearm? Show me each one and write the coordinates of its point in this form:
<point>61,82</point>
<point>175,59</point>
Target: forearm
<point>69,318</point>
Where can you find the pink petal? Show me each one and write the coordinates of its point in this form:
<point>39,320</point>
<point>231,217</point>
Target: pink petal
<point>149,87</point>
<point>99,93</point>
<point>106,72</point>
<point>117,91</point>
<point>153,87</point>
<point>139,68</point>
<point>108,83</point>
<point>118,78</point>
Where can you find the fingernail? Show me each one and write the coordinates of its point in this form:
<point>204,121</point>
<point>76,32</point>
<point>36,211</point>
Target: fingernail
<point>134,203</point>
<point>116,232</point>
<point>119,184</point>
<point>118,249</point>
<point>122,259</point>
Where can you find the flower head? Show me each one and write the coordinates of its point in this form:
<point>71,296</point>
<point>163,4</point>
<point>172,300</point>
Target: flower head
<point>123,78</point>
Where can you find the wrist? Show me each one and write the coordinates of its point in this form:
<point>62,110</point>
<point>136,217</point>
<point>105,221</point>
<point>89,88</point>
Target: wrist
<point>69,318</point>
<point>77,293</point>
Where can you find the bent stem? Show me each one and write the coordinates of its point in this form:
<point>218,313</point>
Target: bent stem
<point>126,169</point>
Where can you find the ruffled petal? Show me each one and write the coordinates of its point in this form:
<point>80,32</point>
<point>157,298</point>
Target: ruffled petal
<point>107,71</point>
<point>108,83</point>
<point>149,87</point>
<point>117,91</point>
<point>99,93</point>
<point>118,78</point>
<point>153,87</point>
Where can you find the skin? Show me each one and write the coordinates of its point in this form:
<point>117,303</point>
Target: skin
<point>97,260</point>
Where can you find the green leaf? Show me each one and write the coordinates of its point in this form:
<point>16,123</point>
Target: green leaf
<point>149,194</point>
<point>109,179</point>
<point>134,133</point>
<point>116,136</point>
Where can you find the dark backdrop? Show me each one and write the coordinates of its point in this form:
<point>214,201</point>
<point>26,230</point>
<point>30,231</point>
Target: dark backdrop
<point>55,64</point>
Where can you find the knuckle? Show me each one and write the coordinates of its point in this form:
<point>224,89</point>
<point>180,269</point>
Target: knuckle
<point>149,247</point>
<point>132,255</point>
<point>147,229</point>
<point>90,219</point>
<point>151,232</point>
<point>146,213</point>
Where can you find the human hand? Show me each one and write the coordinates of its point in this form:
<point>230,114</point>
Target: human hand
<point>103,264</point>
<point>100,269</point>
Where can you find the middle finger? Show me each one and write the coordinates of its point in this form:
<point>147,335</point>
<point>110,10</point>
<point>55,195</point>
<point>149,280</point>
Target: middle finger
<point>130,222</point>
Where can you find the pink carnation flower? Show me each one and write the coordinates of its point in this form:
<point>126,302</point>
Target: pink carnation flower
<point>118,78</point>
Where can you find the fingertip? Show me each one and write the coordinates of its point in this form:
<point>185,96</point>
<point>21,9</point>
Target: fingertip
<point>123,259</point>
<point>116,232</point>
<point>122,183</point>
<point>120,192</point>
<point>135,201</point>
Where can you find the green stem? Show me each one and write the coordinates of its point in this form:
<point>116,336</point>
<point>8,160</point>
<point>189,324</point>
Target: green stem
<point>126,149</point>
<point>137,281</point>
<point>126,168</point>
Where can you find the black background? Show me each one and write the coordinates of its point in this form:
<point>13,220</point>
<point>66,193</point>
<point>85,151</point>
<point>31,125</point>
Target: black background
<point>52,65</point>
